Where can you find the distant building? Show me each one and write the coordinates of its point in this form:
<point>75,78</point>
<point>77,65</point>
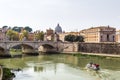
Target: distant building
<point>58,29</point>
<point>74,33</point>
<point>2,34</point>
<point>51,35</point>
<point>99,34</point>
<point>62,36</point>
<point>49,32</point>
<point>30,36</point>
<point>118,36</point>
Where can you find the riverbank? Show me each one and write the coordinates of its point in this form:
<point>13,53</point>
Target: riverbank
<point>94,54</point>
<point>71,53</point>
<point>102,54</point>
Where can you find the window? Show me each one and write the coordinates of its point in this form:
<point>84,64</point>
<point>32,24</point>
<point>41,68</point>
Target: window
<point>101,38</point>
<point>107,37</point>
<point>113,38</point>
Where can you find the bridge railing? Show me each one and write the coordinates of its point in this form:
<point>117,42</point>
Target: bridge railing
<point>28,41</point>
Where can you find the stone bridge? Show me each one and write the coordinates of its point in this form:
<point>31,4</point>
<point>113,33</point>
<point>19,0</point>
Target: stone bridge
<point>37,46</point>
<point>28,46</point>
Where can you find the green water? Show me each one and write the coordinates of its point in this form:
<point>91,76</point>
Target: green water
<point>63,67</point>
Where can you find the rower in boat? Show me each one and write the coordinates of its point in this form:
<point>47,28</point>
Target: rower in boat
<point>91,66</point>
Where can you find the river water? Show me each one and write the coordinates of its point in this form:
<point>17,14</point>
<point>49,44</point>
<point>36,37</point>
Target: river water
<point>63,67</point>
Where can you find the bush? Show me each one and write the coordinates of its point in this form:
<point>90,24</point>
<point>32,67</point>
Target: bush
<point>74,38</point>
<point>7,74</point>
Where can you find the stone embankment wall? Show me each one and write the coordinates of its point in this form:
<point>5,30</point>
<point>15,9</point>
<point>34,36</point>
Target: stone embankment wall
<point>68,47</point>
<point>109,48</point>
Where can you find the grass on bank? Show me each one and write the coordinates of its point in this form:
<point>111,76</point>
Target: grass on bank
<point>80,54</point>
<point>87,55</point>
<point>15,51</point>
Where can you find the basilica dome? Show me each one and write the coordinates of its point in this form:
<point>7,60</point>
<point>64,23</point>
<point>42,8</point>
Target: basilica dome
<point>58,29</point>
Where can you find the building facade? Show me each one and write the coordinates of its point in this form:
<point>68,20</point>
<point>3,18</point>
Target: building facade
<point>99,34</point>
<point>2,35</point>
<point>51,35</point>
<point>31,36</point>
<point>118,36</point>
<point>62,36</point>
<point>49,32</point>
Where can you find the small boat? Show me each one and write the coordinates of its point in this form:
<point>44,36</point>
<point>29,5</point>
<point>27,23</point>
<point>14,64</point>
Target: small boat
<point>91,66</point>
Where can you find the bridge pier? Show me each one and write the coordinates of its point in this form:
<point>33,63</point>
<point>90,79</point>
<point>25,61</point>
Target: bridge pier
<point>29,51</point>
<point>5,53</point>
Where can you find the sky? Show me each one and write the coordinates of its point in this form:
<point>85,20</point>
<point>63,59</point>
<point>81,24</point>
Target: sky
<point>72,15</point>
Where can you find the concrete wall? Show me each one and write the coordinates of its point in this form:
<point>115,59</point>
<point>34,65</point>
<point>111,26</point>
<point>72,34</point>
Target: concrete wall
<point>109,48</point>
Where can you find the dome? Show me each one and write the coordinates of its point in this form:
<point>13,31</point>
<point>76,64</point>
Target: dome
<point>58,29</point>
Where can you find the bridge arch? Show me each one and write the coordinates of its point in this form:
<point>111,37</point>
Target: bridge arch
<point>46,48</point>
<point>1,46</point>
<point>21,44</point>
<point>21,48</point>
<point>2,50</point>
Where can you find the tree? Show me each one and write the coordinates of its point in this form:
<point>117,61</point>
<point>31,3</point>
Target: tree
<point>17,29</point>
<point>27,28</point>
<point>39,35</point>
<point>80,38</point>
<point>69,38</point>
<point>9,34</point>
<point>21,36</point>
<point>13,35</point>
<point>4,27</point>
<point>73,38</point>
<point>25,34</point>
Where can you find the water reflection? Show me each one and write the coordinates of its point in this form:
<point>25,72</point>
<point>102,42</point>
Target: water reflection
<point>63,67</point>
<point>38,69</point>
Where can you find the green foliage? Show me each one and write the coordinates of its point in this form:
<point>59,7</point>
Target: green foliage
<point>73,38</point>
<point>17,29</point>
<point>27,28</point>
<point>7,74</point>
<point>39,35</point>
<point>24,35</point>
<point>15,51</point>
<point>13,35</point>
<point>89,55</point>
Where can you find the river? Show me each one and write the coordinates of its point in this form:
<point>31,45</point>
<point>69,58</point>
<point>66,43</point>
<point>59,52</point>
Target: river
<point>63,67</point>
